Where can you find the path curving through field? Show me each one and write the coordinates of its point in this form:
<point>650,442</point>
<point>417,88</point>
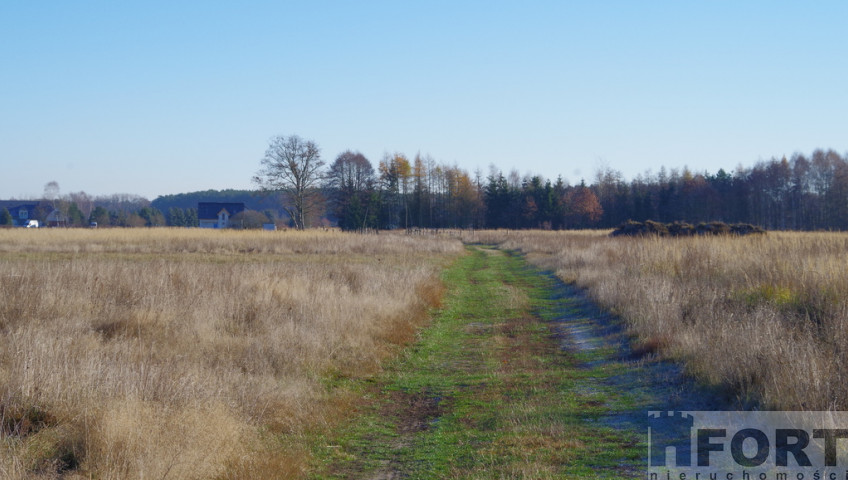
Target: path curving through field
<point>518,376</point>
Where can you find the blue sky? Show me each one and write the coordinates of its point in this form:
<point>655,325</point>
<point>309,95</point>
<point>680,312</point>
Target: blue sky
<point>162,97</point>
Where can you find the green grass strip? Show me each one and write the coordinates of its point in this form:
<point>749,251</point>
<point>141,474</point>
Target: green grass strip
<point>487,392</point>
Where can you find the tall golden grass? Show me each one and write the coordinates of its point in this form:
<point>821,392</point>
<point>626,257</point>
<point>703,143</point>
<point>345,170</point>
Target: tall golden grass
<point>129,354</point>
<point>764,316</point>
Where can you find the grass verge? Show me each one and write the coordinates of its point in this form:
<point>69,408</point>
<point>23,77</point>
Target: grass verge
<point>762,317</point>
<point>177,353</point>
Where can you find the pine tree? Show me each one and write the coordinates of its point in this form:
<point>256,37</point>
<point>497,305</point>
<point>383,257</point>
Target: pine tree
<point>5,217</point>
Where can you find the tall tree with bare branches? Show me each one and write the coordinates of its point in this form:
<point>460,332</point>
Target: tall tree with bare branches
<point>292,166</point>
<point>351,179</point>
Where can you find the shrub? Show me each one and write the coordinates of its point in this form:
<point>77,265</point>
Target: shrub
<point>679,229</point>
<point>249,220</point>
<point>746,229</point>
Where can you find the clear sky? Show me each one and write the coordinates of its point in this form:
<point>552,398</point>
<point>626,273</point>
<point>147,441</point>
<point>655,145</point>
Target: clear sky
<point>160,97</point>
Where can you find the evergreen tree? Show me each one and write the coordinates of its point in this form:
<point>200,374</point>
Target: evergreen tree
<point>75,216</point>
<point>152,217</point>
<point>100,216</point>
<point>191,217</point>
<point>176,217</point>
<point>5,217</point>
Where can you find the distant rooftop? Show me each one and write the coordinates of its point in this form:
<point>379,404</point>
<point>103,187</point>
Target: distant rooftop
<point>209,210</point>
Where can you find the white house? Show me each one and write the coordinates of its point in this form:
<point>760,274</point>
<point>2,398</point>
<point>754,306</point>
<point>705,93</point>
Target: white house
<point>217,215</point>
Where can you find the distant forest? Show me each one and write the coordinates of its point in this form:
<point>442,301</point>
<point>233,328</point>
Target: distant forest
<point>797,193</point>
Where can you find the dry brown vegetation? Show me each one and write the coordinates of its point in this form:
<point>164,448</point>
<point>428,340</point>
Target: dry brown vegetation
<point>764,316</point>
<point>194,354</point>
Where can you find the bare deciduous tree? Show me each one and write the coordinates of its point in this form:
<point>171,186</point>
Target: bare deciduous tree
<point>51,192</point>
<point>84,202</point>
<point>350,173</point>
<point>350,179</point>
<point>292,166</point>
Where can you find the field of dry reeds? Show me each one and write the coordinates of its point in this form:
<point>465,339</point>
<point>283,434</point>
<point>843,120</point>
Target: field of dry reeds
<point>170,353</point>
<point>766,316</point>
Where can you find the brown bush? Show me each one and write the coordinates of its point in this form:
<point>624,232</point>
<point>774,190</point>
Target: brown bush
<point>678,229</point>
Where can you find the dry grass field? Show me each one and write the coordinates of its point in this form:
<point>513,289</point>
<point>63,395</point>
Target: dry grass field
<point>129,354</point>
<point>764,316</point>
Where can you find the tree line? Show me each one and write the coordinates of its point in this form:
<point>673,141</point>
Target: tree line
<point>798,193</point>
<point>415,193</point>
<point>423,193</point>
<point>299,189</point>
<point>78,209</point>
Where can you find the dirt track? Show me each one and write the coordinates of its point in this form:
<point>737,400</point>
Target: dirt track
<point>567,366</point>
